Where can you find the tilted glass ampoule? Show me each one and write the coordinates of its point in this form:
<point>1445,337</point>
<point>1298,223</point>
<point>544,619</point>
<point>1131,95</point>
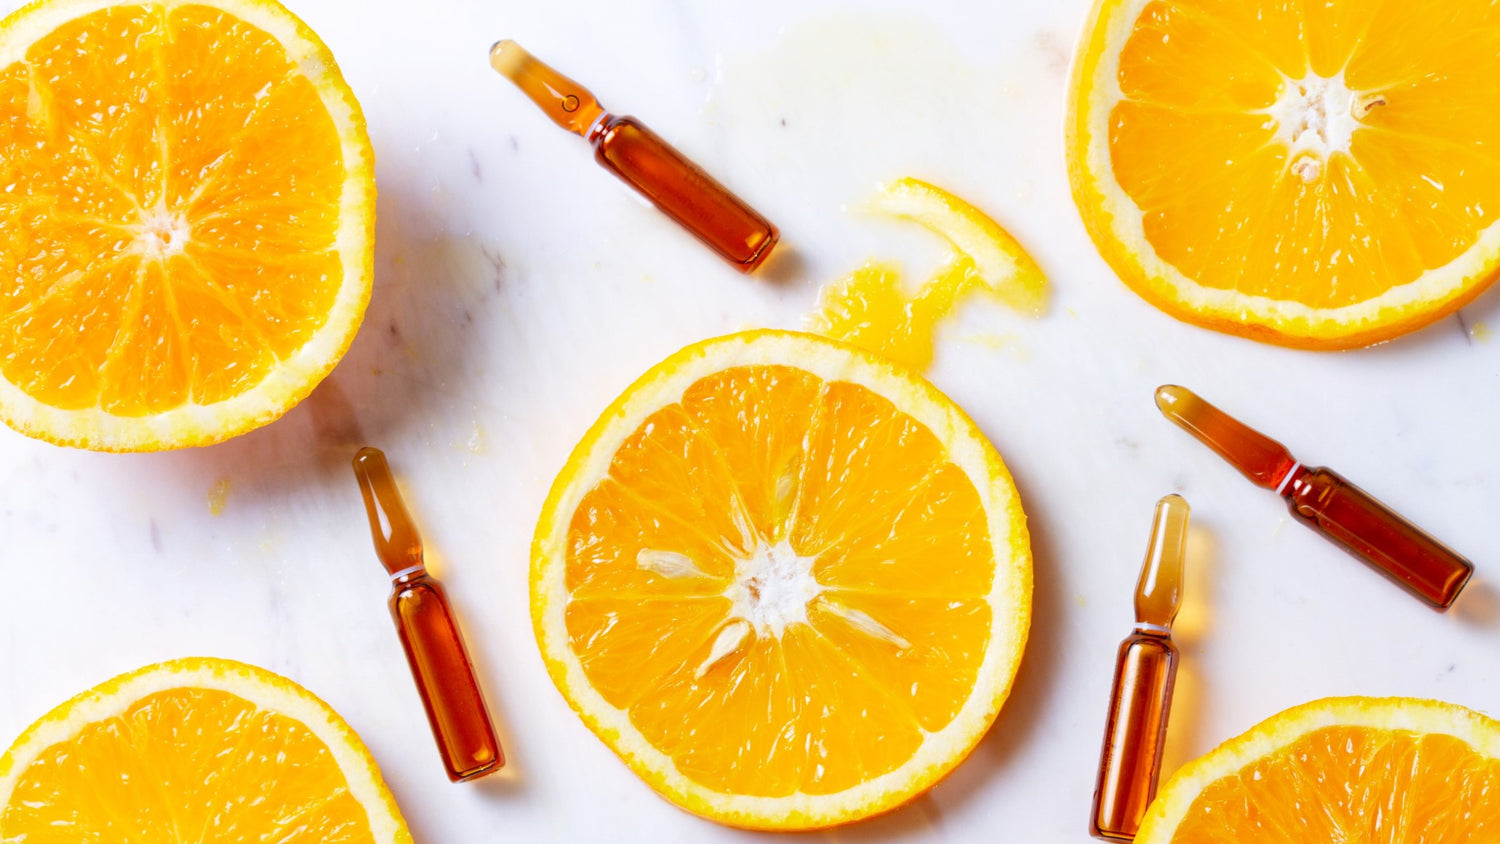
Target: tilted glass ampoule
<point>1136,731</point>
<point>637,155</point>
<point>1323,500</point>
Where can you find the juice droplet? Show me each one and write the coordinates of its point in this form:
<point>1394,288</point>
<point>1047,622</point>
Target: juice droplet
<point>218,497</point>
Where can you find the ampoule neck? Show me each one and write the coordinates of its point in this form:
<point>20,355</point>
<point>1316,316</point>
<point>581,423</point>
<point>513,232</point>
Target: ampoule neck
<point>410,574</point>
<point>1158,593</point>
<point>1157,631</point>
<point>601,125</point>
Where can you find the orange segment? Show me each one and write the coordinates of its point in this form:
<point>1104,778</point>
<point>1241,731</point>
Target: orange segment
<point>1313,175</point>
<point>210,155</point>
<point>193,750</point>
<point>1341,769</point>
<point>785,580</point>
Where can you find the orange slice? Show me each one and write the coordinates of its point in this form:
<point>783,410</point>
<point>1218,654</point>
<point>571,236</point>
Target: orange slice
<point>1316,175</point>
<point>785,580</point>
<point>186,219</point>
<point>1341,769</point>
<point>195,750</point>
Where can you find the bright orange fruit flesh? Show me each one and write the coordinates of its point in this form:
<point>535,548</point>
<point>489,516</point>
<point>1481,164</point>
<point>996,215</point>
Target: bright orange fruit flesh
<point>823,517</point>
<point>1356,784</point>
<point>170,188</point>
<point>186,764</point>
<point>1318,153</point>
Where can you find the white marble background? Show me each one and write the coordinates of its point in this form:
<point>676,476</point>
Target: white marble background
<point>519,289</point>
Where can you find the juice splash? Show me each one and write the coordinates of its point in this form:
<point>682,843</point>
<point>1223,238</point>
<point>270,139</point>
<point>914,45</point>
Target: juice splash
<point>871,307</point>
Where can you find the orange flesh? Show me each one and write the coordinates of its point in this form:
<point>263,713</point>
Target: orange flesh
<point>1353,784</point>
<point>868,308</point>
<point>169,200</point>
<point>187,765</point>
<point>1194,143</point>
<point>751,457</point>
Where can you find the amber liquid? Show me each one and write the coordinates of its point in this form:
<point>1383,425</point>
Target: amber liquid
<point>1370,530</point>
<point>1258,457</point>
<point>1141,699</point>
<point>429,634</point>
<point>445,679</point>
<point>723,221</point>
<point>1326,502</point>
<point>1134,735</point>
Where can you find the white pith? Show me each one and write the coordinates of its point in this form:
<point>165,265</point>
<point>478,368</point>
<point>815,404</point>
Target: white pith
<point>1010,594</point>
<point>161,232</point>
<point>1314,118</point>
<point>1096,91</point>
<point>771,590</point>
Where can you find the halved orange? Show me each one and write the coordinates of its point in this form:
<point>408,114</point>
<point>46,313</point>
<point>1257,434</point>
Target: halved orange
<point>195,750</point>
<point>1341,769</point>
<point>1320,175</point>
<point>187,210</point>
<point>787,581</point>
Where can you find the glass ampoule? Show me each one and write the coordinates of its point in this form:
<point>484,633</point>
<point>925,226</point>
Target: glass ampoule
<point>638,156</point>
<point>1135,732</point>
<point>429,634</point>
<point>1325,501</point>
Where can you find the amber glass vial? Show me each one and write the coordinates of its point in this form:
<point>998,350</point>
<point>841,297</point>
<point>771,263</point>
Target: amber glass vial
<point>429,634</point>
<point>1145,671</point>
<point>1323,500</point>
<point>650,165</point>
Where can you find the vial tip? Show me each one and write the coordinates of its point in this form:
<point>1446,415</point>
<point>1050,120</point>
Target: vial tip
<point>506,55</point>
<point>1168,395</point>
<point>368,456</point>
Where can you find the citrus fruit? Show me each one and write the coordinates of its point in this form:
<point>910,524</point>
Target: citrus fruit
<point>1001,264</point>
<point>186,219</point>
<point>194,750</point>
<point>785,580</point>
<point>1341,769</point>
<point>1317,175</point>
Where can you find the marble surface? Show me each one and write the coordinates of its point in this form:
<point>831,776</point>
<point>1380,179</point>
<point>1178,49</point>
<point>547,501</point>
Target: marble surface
<point>519,289</point>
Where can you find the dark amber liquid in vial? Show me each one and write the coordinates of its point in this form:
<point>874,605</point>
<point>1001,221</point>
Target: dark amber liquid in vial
<point>445,678</point>
<point>1134,735</point>
<point>429,634</point>
<point>1372,531</point>
<point>737,232</point>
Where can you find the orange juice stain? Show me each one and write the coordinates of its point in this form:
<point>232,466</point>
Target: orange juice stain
<point>871,308</point>
<point>218,496</point>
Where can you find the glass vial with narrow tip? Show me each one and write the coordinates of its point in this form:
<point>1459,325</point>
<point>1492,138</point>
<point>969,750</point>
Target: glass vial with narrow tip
<point>643,160</point>
<point>1145,671</point>
<point>1323,500</point>
<point>429,634</point>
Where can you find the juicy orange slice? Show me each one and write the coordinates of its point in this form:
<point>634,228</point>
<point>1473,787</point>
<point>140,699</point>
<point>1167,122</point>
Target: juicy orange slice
<point>1341,769</point>
<point>186,219</point>
<point>1316,175</point>
<point>786,581</point>
<point>195,750</point>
